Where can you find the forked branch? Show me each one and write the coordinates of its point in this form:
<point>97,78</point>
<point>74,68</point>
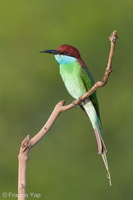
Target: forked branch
<point>28,143</point>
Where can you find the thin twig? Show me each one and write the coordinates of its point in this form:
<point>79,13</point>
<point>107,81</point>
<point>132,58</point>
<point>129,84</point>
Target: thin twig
<point>28,143</point>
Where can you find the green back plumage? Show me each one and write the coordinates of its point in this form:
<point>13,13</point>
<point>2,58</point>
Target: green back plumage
<point>88,81</point>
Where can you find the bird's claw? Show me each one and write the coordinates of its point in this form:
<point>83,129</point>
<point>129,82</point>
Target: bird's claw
<point>79,102</point>
<point>75,106</point>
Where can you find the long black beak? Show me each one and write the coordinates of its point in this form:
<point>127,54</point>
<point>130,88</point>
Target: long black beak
<point>50,51</point>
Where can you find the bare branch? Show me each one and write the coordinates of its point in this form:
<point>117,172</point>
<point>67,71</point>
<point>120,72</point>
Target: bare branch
<point>28,143</point>
<point>22,158</point>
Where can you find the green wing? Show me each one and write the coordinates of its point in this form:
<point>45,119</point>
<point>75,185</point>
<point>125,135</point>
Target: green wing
<point>88,81</point>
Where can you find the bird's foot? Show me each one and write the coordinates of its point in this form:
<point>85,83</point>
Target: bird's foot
<point>77,102</point>
<point>75,106</point>
<point>80,101</point>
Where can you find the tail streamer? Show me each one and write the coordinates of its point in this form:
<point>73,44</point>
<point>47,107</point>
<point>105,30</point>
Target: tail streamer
<point>107,167</point>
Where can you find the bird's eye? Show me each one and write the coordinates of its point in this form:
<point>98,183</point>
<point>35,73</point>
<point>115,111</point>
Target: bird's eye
<point>65,52</point>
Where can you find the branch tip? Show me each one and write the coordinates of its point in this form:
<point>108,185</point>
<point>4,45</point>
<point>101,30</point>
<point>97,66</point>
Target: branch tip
<point>61,103</point>
<point>25,142</point>
<point>113,37</point>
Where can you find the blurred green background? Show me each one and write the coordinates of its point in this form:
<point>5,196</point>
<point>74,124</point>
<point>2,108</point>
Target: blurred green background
<point>65,164</point>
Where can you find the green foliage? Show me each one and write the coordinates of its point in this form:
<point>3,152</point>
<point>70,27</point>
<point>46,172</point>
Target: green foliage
<point>65,164</point>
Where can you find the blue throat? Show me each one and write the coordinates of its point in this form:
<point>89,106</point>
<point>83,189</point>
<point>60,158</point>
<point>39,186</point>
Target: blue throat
<point>62,59</point>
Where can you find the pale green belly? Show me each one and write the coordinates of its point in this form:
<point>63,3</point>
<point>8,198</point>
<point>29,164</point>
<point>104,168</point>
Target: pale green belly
<point>72,80</point>
<point>75,88</point>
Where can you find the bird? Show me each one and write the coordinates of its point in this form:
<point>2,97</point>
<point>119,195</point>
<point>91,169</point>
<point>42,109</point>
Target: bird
<point>78,80</point>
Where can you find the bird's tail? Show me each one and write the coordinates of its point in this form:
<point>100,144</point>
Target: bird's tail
<point>91,112</point>
<point>101,148</point>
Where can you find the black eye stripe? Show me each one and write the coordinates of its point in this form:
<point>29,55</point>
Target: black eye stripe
<point>66,53</point>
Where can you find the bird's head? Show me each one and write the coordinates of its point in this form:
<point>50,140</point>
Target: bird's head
<point>68,50</point>
<point>66,54</point>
